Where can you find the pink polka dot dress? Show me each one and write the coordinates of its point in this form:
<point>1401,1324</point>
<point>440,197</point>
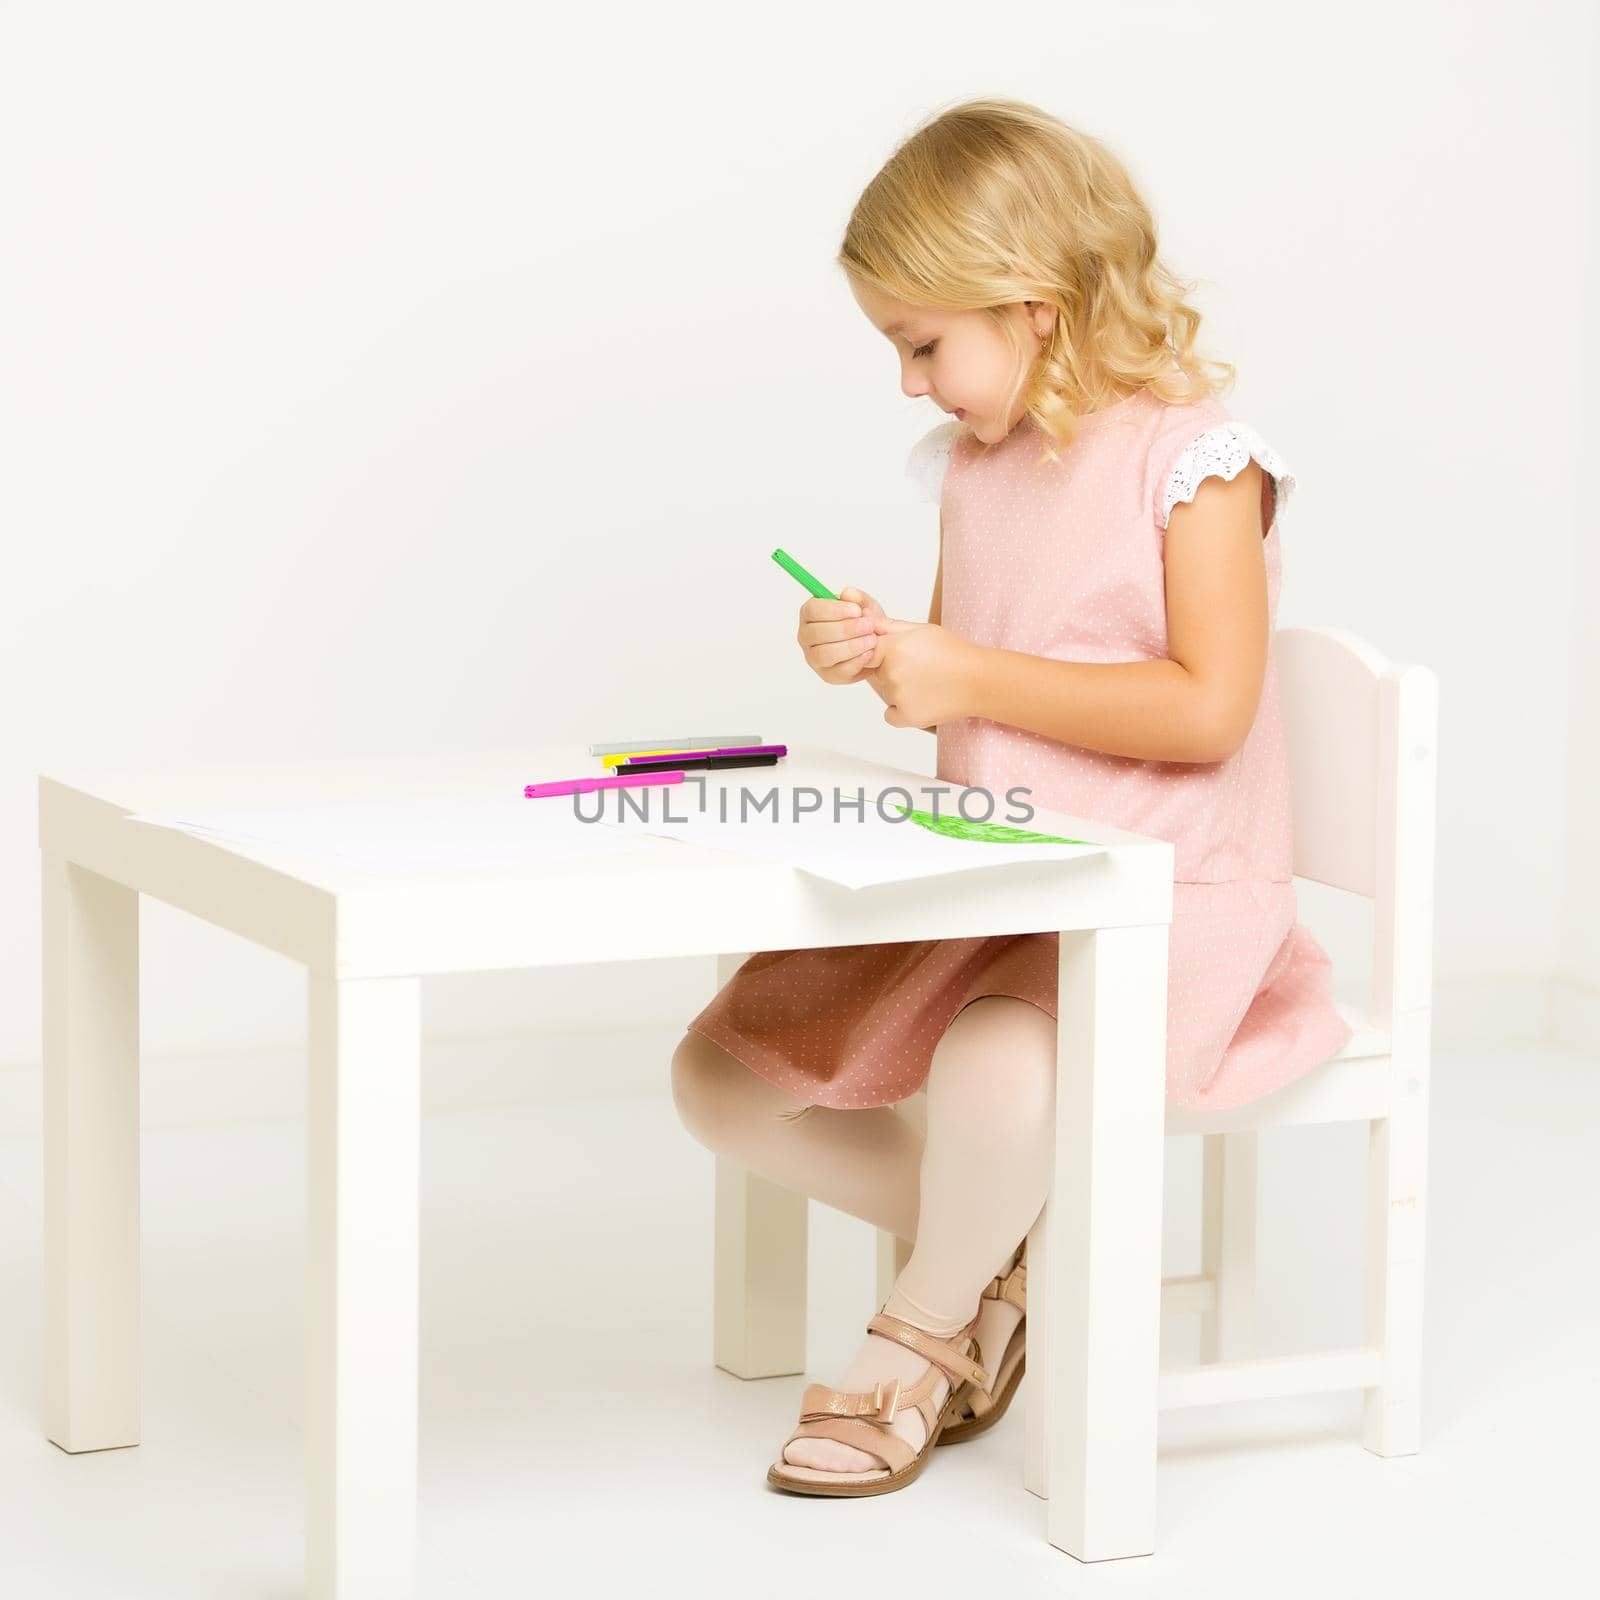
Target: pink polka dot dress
<point>1064,559</point>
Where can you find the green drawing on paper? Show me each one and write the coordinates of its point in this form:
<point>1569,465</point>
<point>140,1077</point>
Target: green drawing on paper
<point>982,832</point>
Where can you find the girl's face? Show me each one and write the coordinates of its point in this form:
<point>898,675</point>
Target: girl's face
<point>958,358</point>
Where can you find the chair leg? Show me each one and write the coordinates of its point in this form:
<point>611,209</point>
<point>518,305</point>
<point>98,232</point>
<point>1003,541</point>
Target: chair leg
<point>1228,1245</point>
<point>759,1265</point>
<point>1396,1195</point>
<point>759,1276</point>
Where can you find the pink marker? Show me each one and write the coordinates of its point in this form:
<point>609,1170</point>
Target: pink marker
<point>633,780</point>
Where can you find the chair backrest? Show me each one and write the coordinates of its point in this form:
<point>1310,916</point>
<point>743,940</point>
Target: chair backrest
<point>1362,737</point>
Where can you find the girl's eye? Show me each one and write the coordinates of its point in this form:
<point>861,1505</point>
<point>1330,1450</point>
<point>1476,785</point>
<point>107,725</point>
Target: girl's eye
<point>924,349</point>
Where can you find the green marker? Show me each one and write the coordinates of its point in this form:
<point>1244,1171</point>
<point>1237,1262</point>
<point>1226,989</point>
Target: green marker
<point>795,570</point>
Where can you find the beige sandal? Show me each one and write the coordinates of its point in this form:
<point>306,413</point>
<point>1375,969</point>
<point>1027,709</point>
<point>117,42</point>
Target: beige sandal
<point>862,1419</point>
<point>978,1409</point>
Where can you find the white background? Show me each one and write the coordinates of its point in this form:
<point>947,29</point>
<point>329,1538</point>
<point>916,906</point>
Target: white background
<point>381,377</point>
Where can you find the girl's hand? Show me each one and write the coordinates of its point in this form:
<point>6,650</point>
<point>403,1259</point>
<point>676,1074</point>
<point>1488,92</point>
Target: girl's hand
<point>836,636</point>
<point>922,672</point>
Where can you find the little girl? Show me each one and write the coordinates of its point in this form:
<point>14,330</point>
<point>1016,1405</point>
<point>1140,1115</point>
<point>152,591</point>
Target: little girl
<point>1100,633</point>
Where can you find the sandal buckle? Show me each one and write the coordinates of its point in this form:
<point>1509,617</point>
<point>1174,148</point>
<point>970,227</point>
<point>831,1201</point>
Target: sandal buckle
<point>886,1399</point>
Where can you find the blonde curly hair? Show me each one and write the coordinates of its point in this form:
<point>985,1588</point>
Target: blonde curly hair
<point>995,201</point>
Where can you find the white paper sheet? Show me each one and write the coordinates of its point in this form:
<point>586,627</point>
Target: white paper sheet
<point>857,852</point>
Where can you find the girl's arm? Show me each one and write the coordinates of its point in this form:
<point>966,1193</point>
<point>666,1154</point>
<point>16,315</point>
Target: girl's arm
<point>1198,702</point>
<point>936,605</point>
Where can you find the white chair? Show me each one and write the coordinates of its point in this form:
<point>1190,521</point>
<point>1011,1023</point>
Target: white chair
<point>1361,733</point>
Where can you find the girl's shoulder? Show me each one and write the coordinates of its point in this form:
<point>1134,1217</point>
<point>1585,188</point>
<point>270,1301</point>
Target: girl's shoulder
<point>1195,440</point>
<point>930,455</point>
<point>1143,425</point>
<point>1178,443</point>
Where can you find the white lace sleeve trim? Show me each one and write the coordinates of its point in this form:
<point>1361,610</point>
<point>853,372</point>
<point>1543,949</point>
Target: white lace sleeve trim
<point>929,457</point>
<point>1222,451</point>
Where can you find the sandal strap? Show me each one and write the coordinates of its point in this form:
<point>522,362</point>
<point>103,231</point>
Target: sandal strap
<point>887,1445</point>
<point>1013,1287</point>
<point>943,1353</point>
<point>980,1401</point>
<point>881,1402</point>
<point>1012,1284</point>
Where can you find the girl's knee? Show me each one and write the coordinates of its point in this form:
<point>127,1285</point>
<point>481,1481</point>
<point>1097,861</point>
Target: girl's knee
<point>699,1081</point>
<point>1002,1026</point>
<point>1006,1012</point>
<point>998,1046</point>
<point>717,1096</point>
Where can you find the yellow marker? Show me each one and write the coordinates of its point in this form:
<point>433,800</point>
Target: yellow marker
<point>628,755</point>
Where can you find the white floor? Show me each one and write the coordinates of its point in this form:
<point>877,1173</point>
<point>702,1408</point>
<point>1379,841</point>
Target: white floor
<point>575,1439</point>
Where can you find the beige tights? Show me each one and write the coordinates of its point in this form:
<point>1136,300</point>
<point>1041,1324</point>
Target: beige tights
<point>966,1194</point>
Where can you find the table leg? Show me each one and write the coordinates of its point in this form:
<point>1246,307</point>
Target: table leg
<point>90,928</point>
<point>362,1164</point>
<point>1094,1257</point>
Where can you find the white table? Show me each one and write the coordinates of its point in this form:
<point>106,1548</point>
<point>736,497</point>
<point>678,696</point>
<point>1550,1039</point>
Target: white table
<point>367,941</point>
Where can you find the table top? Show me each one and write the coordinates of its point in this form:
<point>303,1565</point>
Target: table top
<point>665,897</point>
